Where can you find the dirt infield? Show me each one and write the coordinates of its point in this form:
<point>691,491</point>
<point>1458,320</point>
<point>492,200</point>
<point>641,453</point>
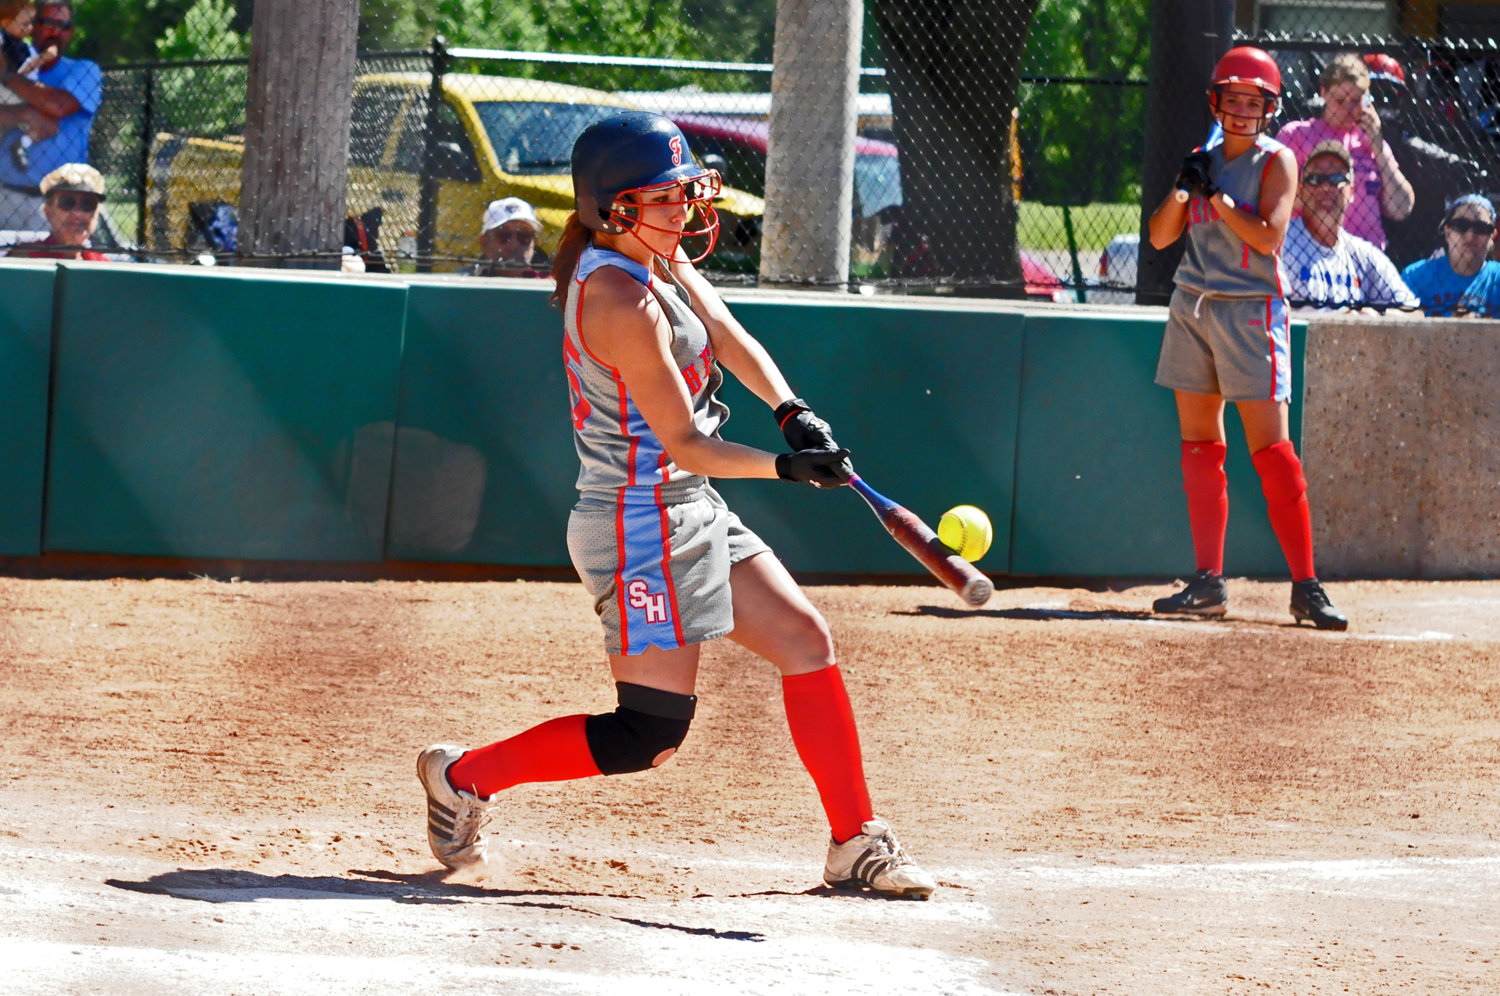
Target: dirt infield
<point>209,788</point>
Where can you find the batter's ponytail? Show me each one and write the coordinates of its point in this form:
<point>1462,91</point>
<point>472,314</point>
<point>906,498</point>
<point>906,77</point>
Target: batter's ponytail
<point>565,261</point>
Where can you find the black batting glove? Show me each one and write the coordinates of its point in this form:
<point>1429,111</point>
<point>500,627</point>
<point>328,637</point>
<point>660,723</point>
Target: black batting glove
<point>803,430</point>
<point>1196,175</point>
<point>820,468</point>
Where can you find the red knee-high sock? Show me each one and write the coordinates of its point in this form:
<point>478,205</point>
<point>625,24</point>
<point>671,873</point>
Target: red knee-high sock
<point>1286,500</point>
<point>1208,501</point>
<point>556,751</point>
<point>822,722</point>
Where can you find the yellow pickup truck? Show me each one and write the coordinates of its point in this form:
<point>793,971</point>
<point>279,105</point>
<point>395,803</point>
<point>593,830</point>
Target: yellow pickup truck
<point>498,137</point>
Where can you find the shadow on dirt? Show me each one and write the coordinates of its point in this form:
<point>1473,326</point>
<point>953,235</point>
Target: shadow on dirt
<point>226,885</point>
<point>1034,615</point>
<point>1094,615</point>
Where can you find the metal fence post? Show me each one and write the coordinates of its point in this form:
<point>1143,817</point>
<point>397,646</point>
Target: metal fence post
<point>148,131</point>
<point>1078,291</point>
<point>427,212</point>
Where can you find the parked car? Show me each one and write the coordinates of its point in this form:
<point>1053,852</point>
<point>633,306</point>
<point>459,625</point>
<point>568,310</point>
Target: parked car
<point>498,137</point>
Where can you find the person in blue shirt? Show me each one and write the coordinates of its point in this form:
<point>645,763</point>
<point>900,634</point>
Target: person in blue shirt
<point>60,104</point>
<point>1463,280</point>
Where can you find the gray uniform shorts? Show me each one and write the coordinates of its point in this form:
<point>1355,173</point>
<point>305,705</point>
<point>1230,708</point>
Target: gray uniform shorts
<point>1237,347</point>
<point>659,573</point>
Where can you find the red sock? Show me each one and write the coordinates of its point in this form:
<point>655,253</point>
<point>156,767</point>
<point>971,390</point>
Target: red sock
<point>1208,501</point>
<point>1286,500</point>
<point>556,751</point>
<point>822,722</point>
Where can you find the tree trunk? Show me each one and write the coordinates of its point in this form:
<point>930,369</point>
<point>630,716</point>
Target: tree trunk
<point>953,67</point>
<point>810,156</point>
<point>301,94</point>
<point>1187,38</point>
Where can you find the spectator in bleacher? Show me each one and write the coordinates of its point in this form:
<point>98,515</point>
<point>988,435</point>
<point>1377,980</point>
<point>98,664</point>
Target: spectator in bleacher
<point>1328,267</point>
<point>1429,167</point>
<point>507,241</point>
<point>1462,280</point>
<point>71,195</point>
<point>58,112</point>
<point>1349,118</point>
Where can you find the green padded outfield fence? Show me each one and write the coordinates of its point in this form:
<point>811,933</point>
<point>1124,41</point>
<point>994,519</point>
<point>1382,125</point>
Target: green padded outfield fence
<point>25,355</point>
<point>269,415</point>
<point>206,414</point>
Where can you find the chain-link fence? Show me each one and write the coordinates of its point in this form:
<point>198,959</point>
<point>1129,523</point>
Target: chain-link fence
<point>999,146</point>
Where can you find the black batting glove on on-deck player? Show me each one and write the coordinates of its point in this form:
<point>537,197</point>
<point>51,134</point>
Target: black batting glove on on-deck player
<point>820,468</point>
<point>803,430</point>
<point>1196,175</point>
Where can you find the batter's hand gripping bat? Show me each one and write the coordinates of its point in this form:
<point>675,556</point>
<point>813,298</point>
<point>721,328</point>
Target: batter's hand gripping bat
<point>1215,136</point>
<point>922,543</point>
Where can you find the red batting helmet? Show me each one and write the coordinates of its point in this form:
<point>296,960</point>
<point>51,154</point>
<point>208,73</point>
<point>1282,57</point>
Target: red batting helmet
<point>1247,64</point>
<point>1383,67</point>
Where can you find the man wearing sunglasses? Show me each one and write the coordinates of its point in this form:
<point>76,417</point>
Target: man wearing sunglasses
<point>1328,267</point>
<point>507,241</point>
<point>71,197</point>
<point>1462,280</point>
<point>62,99</point>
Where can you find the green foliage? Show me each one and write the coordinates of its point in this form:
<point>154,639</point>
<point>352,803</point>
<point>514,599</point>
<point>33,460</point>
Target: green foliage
<point>204,100</point>
<point>1083,143</point>
<point>728,30</point>
<point>112,31</point>
<point>205,32</point>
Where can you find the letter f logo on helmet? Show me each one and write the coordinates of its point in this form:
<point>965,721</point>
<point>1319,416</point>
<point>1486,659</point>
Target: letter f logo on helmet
<point>675,144</point>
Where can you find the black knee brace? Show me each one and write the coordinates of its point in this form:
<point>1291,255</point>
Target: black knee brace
<point>647,722</point>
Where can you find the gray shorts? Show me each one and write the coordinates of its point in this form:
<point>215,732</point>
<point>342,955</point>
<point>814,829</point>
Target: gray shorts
<point>1237,347</point>
<point>659,573</point>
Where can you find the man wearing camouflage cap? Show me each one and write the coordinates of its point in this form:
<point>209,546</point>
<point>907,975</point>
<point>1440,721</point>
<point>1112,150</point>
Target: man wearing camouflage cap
<point>71,195</point>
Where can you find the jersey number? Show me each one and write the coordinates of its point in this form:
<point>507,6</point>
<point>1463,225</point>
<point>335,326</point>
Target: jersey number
<point>1245,258</point>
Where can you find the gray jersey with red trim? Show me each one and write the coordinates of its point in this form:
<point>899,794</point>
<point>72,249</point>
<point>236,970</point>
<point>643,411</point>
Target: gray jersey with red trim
<point>1216,260</point>
<point>617,451</point>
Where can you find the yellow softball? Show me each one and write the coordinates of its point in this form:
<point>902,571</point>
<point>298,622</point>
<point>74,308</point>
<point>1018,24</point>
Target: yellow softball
<point>966,531</point>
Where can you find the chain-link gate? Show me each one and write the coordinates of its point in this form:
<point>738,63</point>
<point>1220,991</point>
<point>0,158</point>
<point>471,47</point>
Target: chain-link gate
<point>1011,167</point>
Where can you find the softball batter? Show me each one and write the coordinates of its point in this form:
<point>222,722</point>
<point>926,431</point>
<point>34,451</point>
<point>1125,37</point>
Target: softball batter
<point>668,564</point>
<point>1228,337</point>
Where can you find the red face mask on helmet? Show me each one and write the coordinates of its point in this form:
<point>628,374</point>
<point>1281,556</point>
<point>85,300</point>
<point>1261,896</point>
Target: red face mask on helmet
<point>697,194</point>
<point>1247,64</point>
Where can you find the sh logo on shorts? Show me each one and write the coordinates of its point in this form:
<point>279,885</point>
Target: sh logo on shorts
<point>641,598</point>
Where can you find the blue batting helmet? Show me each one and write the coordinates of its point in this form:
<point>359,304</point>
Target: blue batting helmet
<point>633,151</point>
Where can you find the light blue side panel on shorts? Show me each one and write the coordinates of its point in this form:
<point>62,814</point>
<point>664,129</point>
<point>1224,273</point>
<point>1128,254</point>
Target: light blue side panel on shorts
<point>650,603</point>
<point>25,356</point>
<point>926,397</point>
<point>1098,459</point>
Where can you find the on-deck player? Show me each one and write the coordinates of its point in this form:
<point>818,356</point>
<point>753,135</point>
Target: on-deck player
<point>669,565</point>
<point>1227,335</point>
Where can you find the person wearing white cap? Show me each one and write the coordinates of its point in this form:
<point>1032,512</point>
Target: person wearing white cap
<point>507,240</point>
<point>71,195</point>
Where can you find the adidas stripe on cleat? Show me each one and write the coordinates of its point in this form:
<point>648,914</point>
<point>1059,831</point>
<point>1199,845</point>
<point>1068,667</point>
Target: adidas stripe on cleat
<point>874,859</point>
<point>454,818</point>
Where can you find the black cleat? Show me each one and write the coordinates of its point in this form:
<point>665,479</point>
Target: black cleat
<point>1310,602</point>
<point>1205,595</point>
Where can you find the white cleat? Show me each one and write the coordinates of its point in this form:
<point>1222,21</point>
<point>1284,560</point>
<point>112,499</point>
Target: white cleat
<point>875,860</point>
<point>454,818</point>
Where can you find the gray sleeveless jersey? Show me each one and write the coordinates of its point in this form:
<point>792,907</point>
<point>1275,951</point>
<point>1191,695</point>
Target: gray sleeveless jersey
<point>1217,261</point>
<point>617,451</point>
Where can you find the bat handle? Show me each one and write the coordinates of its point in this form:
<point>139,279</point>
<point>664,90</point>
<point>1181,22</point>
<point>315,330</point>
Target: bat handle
<point>1180,196</point>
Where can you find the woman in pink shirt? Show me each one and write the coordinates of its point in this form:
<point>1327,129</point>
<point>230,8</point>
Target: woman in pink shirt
<point>1349,118</point>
